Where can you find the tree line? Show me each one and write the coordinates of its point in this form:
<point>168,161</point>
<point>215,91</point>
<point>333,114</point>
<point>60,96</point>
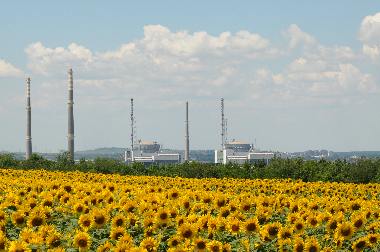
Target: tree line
<point>361,171</point>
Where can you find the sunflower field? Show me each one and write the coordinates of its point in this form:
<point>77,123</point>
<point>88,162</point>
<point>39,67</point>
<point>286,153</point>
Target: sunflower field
<point>74,211</point>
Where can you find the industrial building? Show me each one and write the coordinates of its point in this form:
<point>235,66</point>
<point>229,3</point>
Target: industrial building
<point>149,152</point>
<point>238,152</point>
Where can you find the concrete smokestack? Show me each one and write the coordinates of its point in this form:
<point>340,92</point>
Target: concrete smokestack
<point>70,104</point>
<point>187,148</point>
<point>28,151</point>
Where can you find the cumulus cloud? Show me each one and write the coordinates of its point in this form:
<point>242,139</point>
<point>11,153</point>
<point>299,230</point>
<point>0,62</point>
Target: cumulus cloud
<point>43,59</point>
<point>9,70</point>
<point>167,66</point>
<point>322,78</point>
<point>369,34</point>
<point>297,37</point>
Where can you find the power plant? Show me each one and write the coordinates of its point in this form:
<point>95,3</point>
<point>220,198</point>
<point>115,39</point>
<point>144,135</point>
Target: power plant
<point>238,152</point>
<point>70,105</point>
<point>149,152</point>
<point>28,151</point>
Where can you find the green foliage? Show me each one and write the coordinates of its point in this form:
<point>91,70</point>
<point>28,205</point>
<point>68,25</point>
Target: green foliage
<point>360,171</point>
<point>8,160</point>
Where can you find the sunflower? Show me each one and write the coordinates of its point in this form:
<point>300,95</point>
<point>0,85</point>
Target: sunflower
<point>360,244</point>
<point>126,241</point>
<point>312,220</point>
<point>82,241</point>
<point>200,245</point>
<point>220,201</point>
<point>37,218</point>
<point>332,225</point>
<point>298,226</point>
<point>174,241</point>
<point>149,232</point>
<point>148,222</point>
<point>358,221</point>
<point>117,232</point>
<point>312,245</point>
<point>272,230</point>
<point>149,244</point>
<point>298,245</point>
<point>187,230</point>
<point>344,230</point>
<point>226,247</point>
<point>162,216</point>
<point>130,206</point>
<point>45,230</point>
<point>2,241</point>
<point>233,225</point>
<point>79,208</point>
<point>285,233</point>
<point>185,203</point>
<point>99,217</point>
<point>373,239</point>
<point>54,240</point>
<point>85,221</point>
<point>107,246</point>
<point>215,246</point>
<point>251,226</point>
<point>119,220</point>
<point>26,234</point>
<point>123,247</point>
<point>18,218</point>
<point>18,246</point>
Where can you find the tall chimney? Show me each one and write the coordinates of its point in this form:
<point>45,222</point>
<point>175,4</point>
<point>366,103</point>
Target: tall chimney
<point>187,148</point>
<point>28,151</point>
<point>70,103</point>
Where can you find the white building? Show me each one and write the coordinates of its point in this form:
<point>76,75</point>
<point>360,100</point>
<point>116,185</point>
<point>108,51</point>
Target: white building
<point>240,152</point>
<point>148,152</point>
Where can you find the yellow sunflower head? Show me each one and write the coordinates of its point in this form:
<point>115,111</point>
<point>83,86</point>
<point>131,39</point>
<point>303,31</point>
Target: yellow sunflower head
<point>117,232</point>
<point>150,244</point>
<point>251,226</point>
<point>312,245</point>
<point>200,245</point>
<point>344,230</point>
<point>360,244</point>
<point>215,246</point>
<point>187,230</point>
<point>85,221</point>
<point>82,241</point>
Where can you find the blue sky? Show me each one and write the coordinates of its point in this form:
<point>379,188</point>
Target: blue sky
<point>295,74</point>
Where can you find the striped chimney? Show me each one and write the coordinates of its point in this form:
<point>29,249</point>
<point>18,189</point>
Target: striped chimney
<point>70,104</point>
<point>28,151</point>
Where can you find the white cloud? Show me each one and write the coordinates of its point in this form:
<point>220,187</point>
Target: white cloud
<point>9,70</point>
<point>309,78</point>
<point>166,67</point>
<point>43,59</point>
<point>369,34</point>
<point>297,37</point>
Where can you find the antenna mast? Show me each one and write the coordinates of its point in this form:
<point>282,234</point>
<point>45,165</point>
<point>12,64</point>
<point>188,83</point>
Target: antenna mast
<point>223,122</point>
<point>187,134</point>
